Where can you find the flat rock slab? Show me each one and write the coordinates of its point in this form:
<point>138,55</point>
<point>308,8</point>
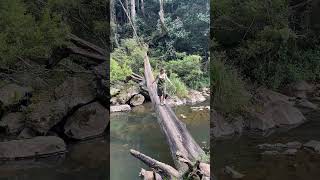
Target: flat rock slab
<point>120,108</point>
<point>30,148</point>
<point>87,122</point>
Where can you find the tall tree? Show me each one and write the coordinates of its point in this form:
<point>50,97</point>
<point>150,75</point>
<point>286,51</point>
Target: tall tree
<point>133,12</point>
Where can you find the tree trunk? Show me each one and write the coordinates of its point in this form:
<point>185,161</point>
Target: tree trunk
<point>161,15</point>
<point>133,12</point>
<point>142,8</point>
<point>126,3</point>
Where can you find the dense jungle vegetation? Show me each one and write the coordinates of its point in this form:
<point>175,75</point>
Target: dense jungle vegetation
<point>176,33</point>
<point>261,43</point>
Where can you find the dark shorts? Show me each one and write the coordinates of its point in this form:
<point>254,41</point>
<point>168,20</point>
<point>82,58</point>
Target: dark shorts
<point>161,91</point>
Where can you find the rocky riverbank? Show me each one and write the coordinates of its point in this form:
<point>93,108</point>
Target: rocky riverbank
<point>131,94</point>
<point>269,111</point>
<point>42,109</point>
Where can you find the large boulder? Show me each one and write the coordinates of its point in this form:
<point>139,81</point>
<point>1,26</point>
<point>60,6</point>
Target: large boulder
<point>299,89</point>
<point>313,145</point>
<point>195,97</point>
<point>88,121</point>
<point>266,96</point>
<point>75,91</point>
<point>221,128</point>
<point>12,95</point>
<point>30,79</point>
<point>275,114</point>
<point>13,123</point>
<point>102,91</point>
<point>44,115</point>
<point>126,94</point>
<point>29,148</point>
<point>137,100</point>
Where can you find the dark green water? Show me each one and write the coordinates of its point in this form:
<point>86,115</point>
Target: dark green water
<point>139,130</point>
<point>242,154</point>
<point>84,161</point>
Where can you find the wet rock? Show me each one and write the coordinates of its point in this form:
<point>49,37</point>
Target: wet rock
<point>220,127</point>
<point>102,91</point>
<point>101,70</point>
<point>114,91</point>
<point>294,145</point>
<point>183,116</point>
<point>267,96</point>
<point>13,95</point>
<point>275,114</point>
<point>195,97</point>
<point>175,101</point>
<point>30,148</point>
<point>75,91</point>
<point>299,89</point>
<point>270,153</point>
<point>126,94</point>
<point>88,121</point>
<point>303,103</point>
<point>200,108</point>
<point>13,123</point>
<point>313,145</point>
<point>233,173</point>
<point>137,100</point>
<point>290,152</point>
<point>119,108</point>
<point>44,115</point>
<point>29,79</point>
<point>272,147</point>
<point>26,133</point>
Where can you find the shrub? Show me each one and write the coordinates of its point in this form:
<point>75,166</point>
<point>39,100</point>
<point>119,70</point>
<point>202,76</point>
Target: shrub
<point>229,93</point>
<point>119,72</point>
<point>178,88</point>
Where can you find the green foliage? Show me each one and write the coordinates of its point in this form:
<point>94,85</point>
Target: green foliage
<point>229,93</point>
<point>131,54</point>
<point>24,35</point>
<point>271,44</point>
<point>118,72</point>
<point>177,88</point>
<point>188,68</point>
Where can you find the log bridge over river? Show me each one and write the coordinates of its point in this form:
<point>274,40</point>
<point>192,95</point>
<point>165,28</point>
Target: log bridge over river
<point>186,153</point>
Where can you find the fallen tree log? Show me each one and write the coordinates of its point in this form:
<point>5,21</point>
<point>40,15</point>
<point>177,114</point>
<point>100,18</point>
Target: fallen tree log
<point>178,137</point>
<point>80,47</point>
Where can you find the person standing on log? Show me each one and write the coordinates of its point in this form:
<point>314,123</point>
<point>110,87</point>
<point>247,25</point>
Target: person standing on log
<point>161,85</point>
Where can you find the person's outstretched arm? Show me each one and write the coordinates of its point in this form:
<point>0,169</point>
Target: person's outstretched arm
<point>157,77</point>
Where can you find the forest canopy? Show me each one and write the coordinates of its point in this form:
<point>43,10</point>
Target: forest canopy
<point>177,34</point>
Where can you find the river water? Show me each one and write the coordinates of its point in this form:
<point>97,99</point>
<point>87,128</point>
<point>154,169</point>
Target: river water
<point>83,161</point>
<point>243,155</point>
<point>139,130</point>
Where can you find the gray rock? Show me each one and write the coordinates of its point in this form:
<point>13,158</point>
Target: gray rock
<point>75,91</point>
<point>44,115</point>
<point>290,152</point>
<point>275,114</point>
<point>267,96</point>
<point>13,123</point>
<point>195,97</point>
<point>26,133</point>
<point>303,103</point>
<point>137,100</point>
<point>120,108</point>
<point>88,121</point>
<point>233,173</point>
<point>299,89</point>
<point>101,70</point>
<point>220,127</point>
<point>13,94</point>
<point>270,153</point>
<point>29,148</point>
<point>313,145</point>
<point>294,145</point>
<point>126,94</point>
<point>272,147</point>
